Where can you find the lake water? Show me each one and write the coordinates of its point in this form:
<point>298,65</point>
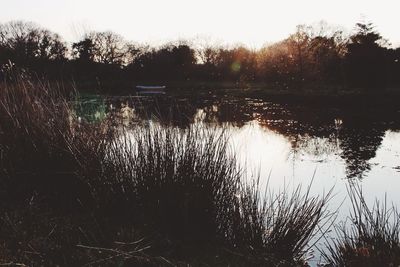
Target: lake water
<point>292,141</point>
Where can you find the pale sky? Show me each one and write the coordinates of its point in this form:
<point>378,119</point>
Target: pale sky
<point>250,22</point>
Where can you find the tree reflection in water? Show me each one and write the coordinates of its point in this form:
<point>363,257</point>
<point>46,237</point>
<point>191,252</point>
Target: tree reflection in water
<point>353,129</point>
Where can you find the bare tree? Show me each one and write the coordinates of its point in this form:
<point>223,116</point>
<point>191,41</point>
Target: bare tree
<point>298,49</point>
<point>28,41</point>
<point>110,48</point>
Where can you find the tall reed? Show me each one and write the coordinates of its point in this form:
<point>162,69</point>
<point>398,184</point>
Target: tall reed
<point>183,187</point>
<point>370,238</point>
<point>43,146</point>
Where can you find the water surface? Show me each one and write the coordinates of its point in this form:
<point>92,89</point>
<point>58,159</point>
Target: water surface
<point>332,142</point>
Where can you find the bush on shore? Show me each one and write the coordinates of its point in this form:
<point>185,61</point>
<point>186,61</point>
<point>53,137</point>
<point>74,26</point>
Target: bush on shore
<point>77,193</point>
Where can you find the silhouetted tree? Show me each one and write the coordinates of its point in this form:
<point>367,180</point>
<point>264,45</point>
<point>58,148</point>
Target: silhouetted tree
<point>184,60</point>
<point>393,67</point>
<point>366,58</point>
<point>102,47</point>
<point>170,62</point>
<point>26,42</point>
<point>84,50</point>
<point>27,46</point>
<point>326,55</point>
<point>276,65</point>
<point>110,48</point>
<point>298,44</point>
<point>312,57</point>
<point>133,51</point>
<point>208,55</point>
<point>207,60</point>
<point>50,46</point>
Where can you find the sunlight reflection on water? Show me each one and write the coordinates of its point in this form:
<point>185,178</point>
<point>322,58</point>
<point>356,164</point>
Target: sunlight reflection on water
<point>296,144</point>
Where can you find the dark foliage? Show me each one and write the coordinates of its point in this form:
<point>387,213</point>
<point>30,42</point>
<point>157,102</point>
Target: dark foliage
<point>76,193</point>
<point>311,58</point>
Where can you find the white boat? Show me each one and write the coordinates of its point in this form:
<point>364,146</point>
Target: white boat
<point>155,89</point>
<point>151,87</point>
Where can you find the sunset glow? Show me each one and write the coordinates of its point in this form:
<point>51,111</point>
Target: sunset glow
<point>252,22</point>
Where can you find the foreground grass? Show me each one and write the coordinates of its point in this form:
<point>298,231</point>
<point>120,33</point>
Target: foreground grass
<point>372,238</point>
<point>75,193</point>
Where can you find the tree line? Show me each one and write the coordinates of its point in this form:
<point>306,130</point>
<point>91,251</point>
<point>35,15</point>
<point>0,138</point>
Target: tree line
<point>310,57</point>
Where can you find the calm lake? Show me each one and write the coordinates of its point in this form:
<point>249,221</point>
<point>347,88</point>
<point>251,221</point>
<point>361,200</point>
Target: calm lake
<point>331,142</point>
